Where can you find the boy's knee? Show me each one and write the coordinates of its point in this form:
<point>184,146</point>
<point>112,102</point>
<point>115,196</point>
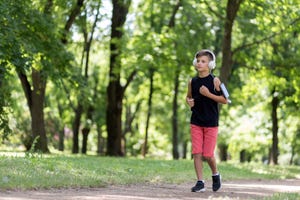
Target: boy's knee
<point>198,155</point>
<point>208,158</point>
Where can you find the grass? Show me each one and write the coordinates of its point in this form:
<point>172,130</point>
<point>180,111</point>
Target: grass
<point>284,196</point>
<point>62,171</point>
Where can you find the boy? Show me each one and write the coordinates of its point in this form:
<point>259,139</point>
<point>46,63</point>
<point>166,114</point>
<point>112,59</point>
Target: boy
<point>203,96</point>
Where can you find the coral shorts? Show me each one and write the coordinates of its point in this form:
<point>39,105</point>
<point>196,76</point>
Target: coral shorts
<point>204,140</point>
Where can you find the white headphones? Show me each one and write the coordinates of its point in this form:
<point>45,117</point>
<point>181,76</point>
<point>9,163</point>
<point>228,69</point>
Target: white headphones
<point>211,64</point>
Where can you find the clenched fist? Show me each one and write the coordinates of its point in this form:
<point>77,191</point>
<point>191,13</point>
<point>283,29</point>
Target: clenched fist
<point>204,90</point>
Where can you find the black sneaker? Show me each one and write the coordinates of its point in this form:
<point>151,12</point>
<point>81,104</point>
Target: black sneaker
<point>199,187</point>
<point>216,182</point>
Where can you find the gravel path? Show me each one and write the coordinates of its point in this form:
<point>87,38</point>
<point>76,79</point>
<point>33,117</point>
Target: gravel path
<point>237,189</point>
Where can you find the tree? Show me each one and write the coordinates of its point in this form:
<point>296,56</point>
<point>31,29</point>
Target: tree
<point>115,91</point>
<point>175,151</point>
<point>82,104</point>
<point>231,13</point>
<point>33,60</point>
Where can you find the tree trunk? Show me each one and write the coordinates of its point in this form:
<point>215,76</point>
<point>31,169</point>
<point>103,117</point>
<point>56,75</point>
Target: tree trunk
<point>128,121</point>
<point>35,100</point>
<point>61,139</point>
<point>85,133</point>
<point>185,149</point>
<point>274,151</point>
<point>87,128</point>
<point>61,132</point>
<point>100,141</point>
<point>37,111</point>
<point>175,116</point>
<point>245,156</point>
<point>176,86</point>
<point>75,128</point>
<point>113,120</point>
<point>145,145</point>
<point>74,13</point>
<point>294,144</point>
<point>115,91</point>
<point>223,152</point>
<point>231,12</point>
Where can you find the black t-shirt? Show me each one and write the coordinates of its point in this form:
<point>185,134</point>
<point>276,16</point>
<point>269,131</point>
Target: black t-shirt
<point>205,112</point>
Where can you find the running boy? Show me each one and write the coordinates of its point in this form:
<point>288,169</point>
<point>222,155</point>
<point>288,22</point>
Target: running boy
<point>203,96</point>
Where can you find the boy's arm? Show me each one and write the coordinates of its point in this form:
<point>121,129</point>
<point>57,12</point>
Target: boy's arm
<point>189,99</point>
<point>205,92</point>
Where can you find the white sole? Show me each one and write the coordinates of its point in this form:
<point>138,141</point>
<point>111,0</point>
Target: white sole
<point>202,190</point>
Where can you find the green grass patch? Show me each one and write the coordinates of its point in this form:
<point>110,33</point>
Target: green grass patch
<point>284,196</point>
<point>61,171</point>
<point>259,171</point>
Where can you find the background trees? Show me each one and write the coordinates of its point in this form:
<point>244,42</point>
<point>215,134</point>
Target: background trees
<point>110,76</point>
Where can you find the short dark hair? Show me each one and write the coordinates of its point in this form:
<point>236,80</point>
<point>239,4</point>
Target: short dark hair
<point>205,53</point>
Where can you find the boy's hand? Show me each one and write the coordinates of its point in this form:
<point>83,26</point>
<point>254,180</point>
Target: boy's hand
<point>204,91</point>
<point>190,101</point>
<point>217,83</point>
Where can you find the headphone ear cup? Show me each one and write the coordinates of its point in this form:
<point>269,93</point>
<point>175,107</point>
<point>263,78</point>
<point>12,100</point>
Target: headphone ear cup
<point>195,62</point>
<point>212,64</point>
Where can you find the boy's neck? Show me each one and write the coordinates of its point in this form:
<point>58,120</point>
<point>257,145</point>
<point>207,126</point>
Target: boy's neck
<point>203,74</point>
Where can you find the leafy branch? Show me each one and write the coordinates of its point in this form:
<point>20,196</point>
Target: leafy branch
<point>266,38</point>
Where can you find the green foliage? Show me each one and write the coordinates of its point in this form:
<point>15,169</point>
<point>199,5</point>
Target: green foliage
<point>29,34</point>
<point>257,72</point>
<point>29,40</point>
<point>4,103</point>
<point>265,56</point>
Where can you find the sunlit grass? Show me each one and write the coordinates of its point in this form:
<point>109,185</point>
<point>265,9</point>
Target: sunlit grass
<point>255,170</point>
<point>283,196</point>
<point>27,171</point>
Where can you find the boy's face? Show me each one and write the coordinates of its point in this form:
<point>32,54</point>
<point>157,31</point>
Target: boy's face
<point>202,63</point>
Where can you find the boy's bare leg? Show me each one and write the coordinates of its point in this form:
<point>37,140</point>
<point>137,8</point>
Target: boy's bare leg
<point>216,177</point>
<point>198,166</point>
<point>212,164</point>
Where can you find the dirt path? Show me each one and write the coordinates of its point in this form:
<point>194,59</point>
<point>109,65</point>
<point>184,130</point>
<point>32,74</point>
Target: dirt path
<point>239,189</point>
